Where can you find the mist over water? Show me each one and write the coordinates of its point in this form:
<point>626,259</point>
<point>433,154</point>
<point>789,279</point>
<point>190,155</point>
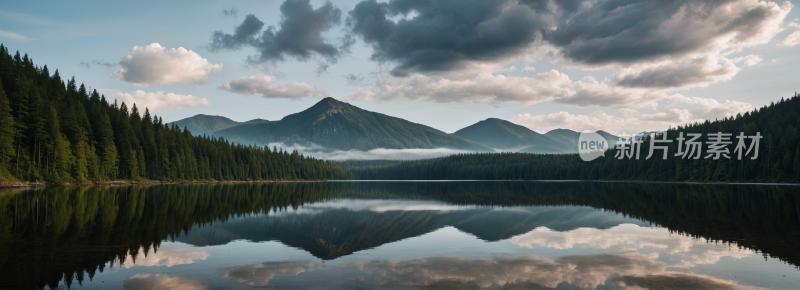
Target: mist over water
<point>320,152</point>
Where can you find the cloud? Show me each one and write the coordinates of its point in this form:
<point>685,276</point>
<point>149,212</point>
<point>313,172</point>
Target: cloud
<point>161,281</point>
<point>586,272</point>
<point>261,274</point>
<point>674,110</point>
<point>230,12</point>
<point>354,80</point>
<point>165,256</point>
<point>619,35</point>
<point>12,35</point>
<point>701,71</point>
<point>98,63</point>
<point>684,251</point>
<point>792,40</point>
<point>454,51</point>
<point>262,84</point>
<point>157,100</point>
<point>486,87</point>
<point>299,34</point>
<point>244,34</point>
<point>528,68</point>
<point>445,35</point>
<point>375,154</point>
<point>157,65</point>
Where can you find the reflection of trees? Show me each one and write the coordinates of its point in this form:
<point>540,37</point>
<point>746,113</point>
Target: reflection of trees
<point>51,234</point>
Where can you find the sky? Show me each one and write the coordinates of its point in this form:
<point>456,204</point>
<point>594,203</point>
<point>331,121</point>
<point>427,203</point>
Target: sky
<point>615,65</point>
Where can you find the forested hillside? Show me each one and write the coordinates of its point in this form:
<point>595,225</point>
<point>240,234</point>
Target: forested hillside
<point>338,125</point>
<point>208,125</point>
<point>54,130</point>
<point>778,157</point>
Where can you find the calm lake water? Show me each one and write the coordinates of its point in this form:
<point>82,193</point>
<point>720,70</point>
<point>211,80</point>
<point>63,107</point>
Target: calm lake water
<point>375,235</point>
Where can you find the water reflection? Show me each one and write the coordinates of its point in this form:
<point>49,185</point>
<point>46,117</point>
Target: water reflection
<point>162,282</point>
<point>685,251</point>
<point>491,234</point>
<point>165,256</point>
<point>259,275</point>
<point>626,271</point>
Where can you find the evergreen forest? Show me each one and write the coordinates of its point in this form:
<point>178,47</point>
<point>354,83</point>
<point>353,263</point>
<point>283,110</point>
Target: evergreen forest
<point>55,131</point>
<point>778,158</point>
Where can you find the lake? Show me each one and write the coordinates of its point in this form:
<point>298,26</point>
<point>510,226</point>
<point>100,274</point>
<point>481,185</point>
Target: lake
<point>376,235</point>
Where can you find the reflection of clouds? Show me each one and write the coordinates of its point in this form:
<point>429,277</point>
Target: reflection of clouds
<point>165,256</point>
<point>259,275</point>
<point>626,271</point>
<point>629,237</point>
<point>161,281</point>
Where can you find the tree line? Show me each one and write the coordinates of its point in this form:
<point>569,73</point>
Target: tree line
<point>778,157</point>
<point>54,130</point>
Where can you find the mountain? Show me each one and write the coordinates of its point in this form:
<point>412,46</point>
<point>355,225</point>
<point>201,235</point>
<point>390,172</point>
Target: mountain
<point>507,136</point>
<point>569,138</point>
<point>206,124</point>
<point>339,125</point>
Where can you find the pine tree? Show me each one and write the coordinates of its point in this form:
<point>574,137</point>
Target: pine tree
<point>6,130</point>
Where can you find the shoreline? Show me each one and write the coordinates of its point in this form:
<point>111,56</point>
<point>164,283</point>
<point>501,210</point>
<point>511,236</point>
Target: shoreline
<point>25,185</point>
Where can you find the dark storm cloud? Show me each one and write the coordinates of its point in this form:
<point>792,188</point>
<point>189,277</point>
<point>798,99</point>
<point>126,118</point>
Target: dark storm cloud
<point>299,34</point>
<point>548,5</point>
<point>431,36</point>
<point>622,31</point>
<point>443,35</point>
<point>243,35</point>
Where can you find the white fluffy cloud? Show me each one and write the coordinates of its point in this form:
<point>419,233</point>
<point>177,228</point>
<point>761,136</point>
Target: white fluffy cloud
<point>156,100</point>
<point>157,65</point>
<point>486,87</point>
<point>677,110</point>
<point>792,40</point>
<point>262,84</point>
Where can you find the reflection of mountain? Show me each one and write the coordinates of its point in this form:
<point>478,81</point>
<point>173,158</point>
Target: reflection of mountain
<point>338,232</point>
<point>57,234</point>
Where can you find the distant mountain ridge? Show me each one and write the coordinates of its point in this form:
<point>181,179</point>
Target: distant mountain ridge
<point>506,136</point>
<point>338,125</point>
<point>208,124</point>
